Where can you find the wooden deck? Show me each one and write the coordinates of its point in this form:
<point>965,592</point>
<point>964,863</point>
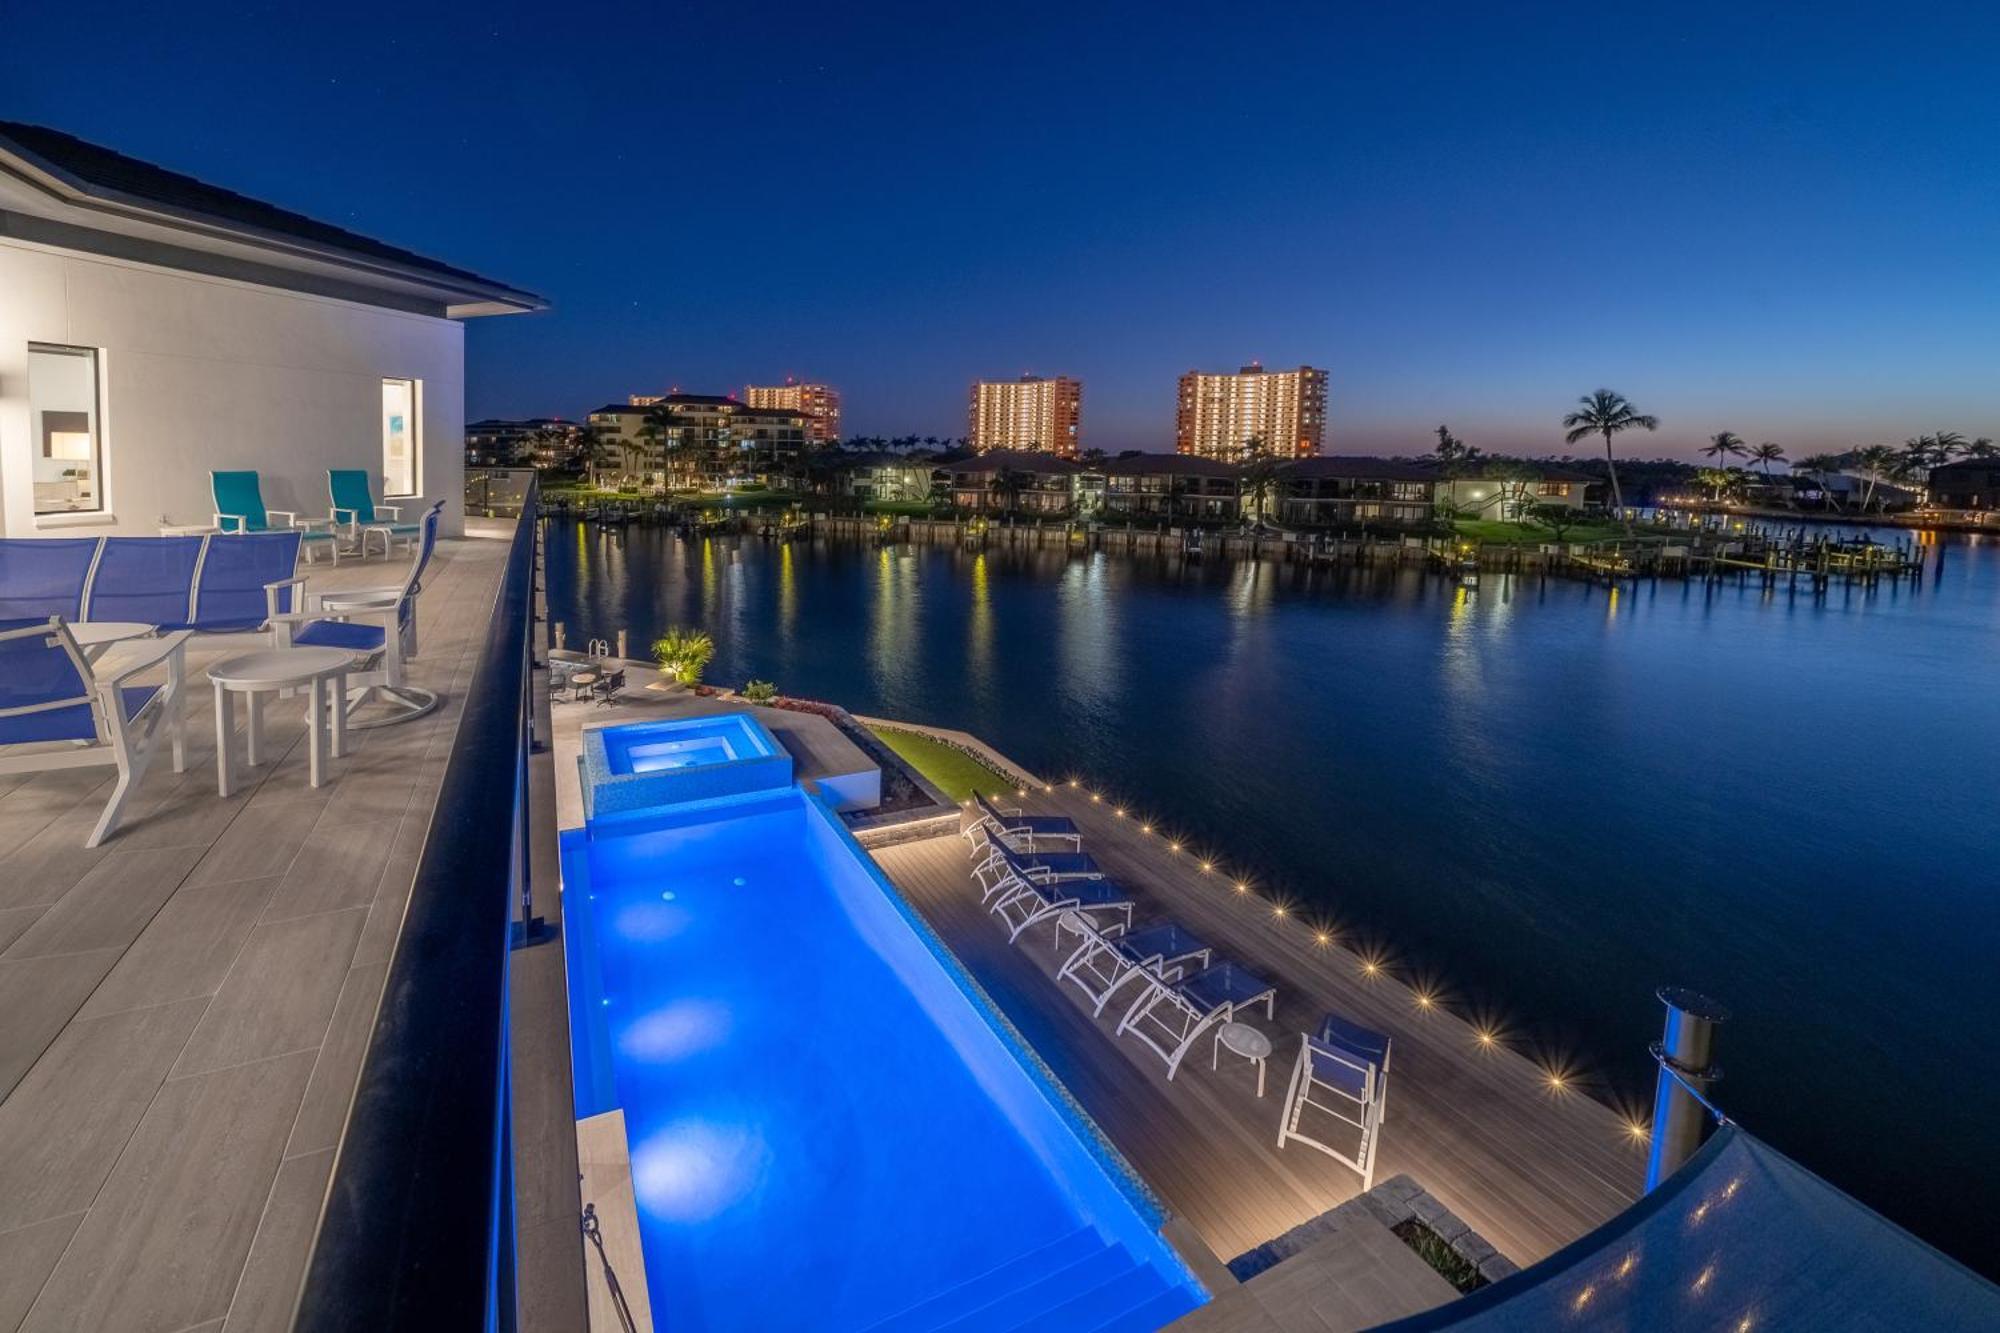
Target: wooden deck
<point>183,1011</point>
<point>1527,1166</point>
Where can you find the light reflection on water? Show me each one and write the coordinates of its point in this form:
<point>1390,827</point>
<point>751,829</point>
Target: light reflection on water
<point>1548,796</point>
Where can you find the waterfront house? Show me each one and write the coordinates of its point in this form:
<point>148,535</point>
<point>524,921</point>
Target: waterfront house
<point>1970,483</point>
<point>1345,492</point>
<point>1505,488</point>
<point>696,441</point>
<point>1175,488</point>
<point>1010,481</point>
<point>878,475</point>
<point>154,326</point>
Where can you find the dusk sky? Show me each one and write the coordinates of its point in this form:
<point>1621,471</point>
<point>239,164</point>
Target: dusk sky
<point>1779,220</point>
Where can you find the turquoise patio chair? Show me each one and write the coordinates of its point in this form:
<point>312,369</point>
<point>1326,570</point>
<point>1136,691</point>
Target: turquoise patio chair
<point>239,507</point>
<point>354,507</point>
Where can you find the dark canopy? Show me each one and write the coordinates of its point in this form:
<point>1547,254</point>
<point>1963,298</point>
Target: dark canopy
<point>1741,1237</point>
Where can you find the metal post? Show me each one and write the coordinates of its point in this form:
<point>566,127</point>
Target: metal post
<point>622,654</point>
<point>1681,1107</point>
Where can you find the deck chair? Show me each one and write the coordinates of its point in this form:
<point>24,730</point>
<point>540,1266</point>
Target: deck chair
<point>988,821</point>
<point>57,712</point>
<point>1347,1066</point>
<point>353,505</point>
<point>1105,964</point>
<point>46,576</point>
<point>1170,1015</point>
<point>378,625</point>
<point>1036,900</point>
<point>1007,871</point>
<point>239,507</point>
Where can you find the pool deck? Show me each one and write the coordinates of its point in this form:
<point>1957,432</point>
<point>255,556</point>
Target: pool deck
<point>1528,1167</point>
<point>183,1011</point>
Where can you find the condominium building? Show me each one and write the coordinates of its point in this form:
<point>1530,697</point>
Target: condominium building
<point>819,404</point>
<point>681,441</point>
<point>1274,413</point>
<point>1035,412</point>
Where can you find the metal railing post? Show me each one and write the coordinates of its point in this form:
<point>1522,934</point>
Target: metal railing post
<point>1682,1110</point>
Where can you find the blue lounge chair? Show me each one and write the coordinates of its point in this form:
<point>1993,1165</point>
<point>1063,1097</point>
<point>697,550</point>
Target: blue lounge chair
<point>1024,833</point>
<point>1037,900</point>
<point>56,712</point>
<point>1005,869</point>
<point>354,507</point>
<point>378,625</point>
<point>239,507</point>
<point>1170,1015</point>
<point>1348,1066</point>
<point>1106,963</point>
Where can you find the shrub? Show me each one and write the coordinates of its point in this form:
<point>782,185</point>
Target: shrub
<point>760,691</point>
<point>683,653</point>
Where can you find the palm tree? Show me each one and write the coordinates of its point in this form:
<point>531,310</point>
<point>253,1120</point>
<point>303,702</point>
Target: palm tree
<point>1876,462</point>
<point>1259,477</point>
<point>1982,447</point>
<point>1766,454</point>
<point>1608,414</point>
<point>1819,467</point>
<point>1007,485</point>
<point>1723,446</point>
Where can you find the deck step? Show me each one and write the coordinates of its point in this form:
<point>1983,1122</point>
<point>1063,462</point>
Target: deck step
<point>1157,1313</point>
<point>1026,1305</point>
<point>1119,1288</point>
<point>981,1289</point>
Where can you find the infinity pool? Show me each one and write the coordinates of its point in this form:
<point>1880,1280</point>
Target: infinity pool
<point>828,1128</point>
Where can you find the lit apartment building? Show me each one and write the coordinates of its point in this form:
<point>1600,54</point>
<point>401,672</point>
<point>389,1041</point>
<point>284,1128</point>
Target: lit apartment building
<point>1034,412</point>
<point>681,441</point>
<point>819,404</point>
<point>1281,413</point>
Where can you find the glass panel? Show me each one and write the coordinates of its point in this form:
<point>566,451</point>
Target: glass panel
<point>63,416</point>
<point>399,438</point>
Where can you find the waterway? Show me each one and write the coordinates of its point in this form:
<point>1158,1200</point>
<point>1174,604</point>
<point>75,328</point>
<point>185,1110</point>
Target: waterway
<point>1543,797</point>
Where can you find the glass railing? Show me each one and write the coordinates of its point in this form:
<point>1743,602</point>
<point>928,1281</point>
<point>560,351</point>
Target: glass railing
<point>418,1230</point>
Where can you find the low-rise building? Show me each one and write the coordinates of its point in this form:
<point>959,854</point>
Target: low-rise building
<point>1337,492</point>
<point>1171,487</point>
<point>693,441</point>
<point>1970,483</point>
<point>544,442</point>
<point>1505,488</point>
<point>1009,481</point>
<point>879,474</point>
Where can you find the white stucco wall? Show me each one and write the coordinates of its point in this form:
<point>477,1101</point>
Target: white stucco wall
<point>202,372</point>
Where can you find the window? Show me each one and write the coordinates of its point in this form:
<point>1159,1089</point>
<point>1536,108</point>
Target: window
<point>402,459</point>
<point>64,415</point>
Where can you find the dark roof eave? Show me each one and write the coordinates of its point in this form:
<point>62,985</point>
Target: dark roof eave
<point>480,295</point>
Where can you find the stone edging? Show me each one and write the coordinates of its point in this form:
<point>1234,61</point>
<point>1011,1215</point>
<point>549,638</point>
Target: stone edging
<point>1396,1200</point>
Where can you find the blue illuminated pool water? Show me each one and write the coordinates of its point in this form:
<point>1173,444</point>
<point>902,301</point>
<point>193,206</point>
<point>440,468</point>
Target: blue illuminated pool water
<point>826,1129</point>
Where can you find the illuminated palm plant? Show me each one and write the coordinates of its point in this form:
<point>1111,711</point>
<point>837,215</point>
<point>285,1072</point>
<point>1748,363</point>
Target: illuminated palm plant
<point>683,653</point>
<point>1723,446</point>
<point>1607,414</point>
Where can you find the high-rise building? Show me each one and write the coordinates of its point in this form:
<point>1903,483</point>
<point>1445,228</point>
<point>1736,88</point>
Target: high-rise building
<point>1033,412</point>
<point>818,403</point>
<point>1273,413</point>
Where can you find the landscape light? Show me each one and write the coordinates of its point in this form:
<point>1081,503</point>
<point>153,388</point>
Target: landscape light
<point>1206,867</point>
<point>1321,938</point>
<point>1485,1037</point>
<point>1241,887</point>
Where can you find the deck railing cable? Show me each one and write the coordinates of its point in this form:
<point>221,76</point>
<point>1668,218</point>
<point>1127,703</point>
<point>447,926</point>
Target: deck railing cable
<point>418,1229</point>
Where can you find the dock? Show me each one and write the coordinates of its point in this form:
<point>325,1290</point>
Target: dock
<point>1529,1165</point>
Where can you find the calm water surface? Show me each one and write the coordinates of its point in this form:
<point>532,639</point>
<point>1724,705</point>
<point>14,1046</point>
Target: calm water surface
<point>1542,796</point>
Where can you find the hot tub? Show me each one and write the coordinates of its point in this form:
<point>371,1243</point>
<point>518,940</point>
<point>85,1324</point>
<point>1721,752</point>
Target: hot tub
<point>645,765</point>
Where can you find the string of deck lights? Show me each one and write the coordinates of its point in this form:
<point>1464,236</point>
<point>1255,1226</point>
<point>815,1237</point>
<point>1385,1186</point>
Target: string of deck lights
<point>1558,1077</point>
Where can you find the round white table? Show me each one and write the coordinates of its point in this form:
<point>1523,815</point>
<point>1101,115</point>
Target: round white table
<point>94,636</point>
<point>320,671</point>
<point>1246,1041</point>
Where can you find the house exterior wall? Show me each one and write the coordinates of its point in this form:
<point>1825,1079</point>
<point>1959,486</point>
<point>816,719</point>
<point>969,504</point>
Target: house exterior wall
<point>200,372</point>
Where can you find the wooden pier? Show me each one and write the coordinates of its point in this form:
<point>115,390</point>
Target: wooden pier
<point>1527,1164</point>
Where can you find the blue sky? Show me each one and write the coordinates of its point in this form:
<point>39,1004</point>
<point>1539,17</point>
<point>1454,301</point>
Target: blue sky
<point>1780,221</point>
